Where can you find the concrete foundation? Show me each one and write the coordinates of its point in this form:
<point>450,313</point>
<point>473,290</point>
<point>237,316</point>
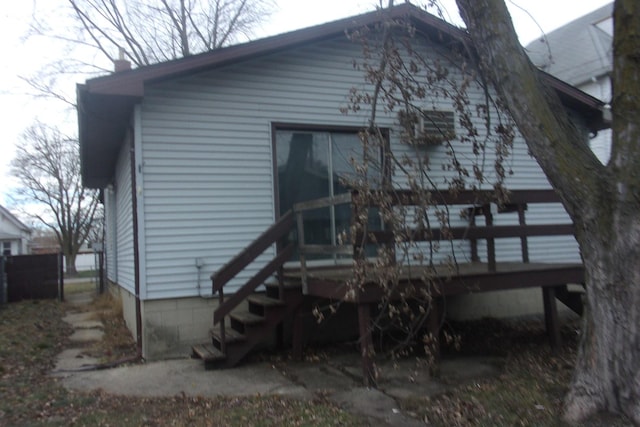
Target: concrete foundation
<point>498,305</point>
<point>170,327</point>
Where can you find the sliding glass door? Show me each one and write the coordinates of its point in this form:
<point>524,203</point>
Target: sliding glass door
<point>315,164</point>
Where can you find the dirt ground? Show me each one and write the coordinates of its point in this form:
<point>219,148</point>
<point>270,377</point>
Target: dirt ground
<point>526,388</point>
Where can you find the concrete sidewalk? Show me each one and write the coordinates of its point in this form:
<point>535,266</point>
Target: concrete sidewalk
<point>339,378</point>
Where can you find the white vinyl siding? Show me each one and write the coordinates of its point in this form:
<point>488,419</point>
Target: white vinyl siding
<point>206,160</point>
<point>110,221</point>
<point>124,259</point>
<point>208,172</point>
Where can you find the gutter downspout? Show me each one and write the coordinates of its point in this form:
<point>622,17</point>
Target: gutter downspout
<point>136,249</point>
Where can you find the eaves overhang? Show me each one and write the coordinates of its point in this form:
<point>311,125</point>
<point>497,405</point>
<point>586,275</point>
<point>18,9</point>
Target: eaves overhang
<point>103,121</point>
<point>106,104</point>
<point>589,107</point>
<point>132,82</point>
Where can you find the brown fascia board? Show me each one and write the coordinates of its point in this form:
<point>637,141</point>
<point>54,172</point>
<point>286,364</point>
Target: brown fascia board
<point>564,88</point>
<point>132,82</point>
<point>592,108</point>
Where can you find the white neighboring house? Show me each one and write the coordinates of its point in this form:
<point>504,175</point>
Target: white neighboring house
<point>580,53</point>
<point>14,235</point>
<point>193,158</point>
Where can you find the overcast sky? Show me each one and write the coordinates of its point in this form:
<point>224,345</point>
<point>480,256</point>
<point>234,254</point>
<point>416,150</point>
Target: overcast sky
<point>20,58</point>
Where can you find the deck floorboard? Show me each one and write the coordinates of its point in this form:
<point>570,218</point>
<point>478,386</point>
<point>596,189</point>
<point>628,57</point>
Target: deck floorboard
<point>463,278</point>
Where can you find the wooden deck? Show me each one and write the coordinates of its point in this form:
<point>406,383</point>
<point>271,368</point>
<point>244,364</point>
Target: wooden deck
<point>463,278</point>
<point>284,298</point>
<point>466,278</point>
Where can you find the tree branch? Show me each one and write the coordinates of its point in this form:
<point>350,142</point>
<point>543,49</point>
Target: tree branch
<point>556,143</point>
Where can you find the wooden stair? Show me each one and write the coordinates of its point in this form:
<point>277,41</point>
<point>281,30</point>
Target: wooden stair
<point>250,326</point>
<point>208,353</point>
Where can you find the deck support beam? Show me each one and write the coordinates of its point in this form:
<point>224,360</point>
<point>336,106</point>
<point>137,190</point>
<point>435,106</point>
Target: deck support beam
<point>298,334</point>
<point>434,321</point>
<point>551,320</point>
<point>366,345</point>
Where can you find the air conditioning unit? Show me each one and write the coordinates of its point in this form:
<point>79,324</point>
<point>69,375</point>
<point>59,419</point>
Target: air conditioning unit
<point>431,127</point>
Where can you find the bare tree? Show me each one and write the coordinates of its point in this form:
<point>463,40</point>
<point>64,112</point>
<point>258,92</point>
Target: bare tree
<point>151,31</point>
<point>602,200</point>
<point>145,32</point>
<point>47,166</point>
<point>92,34</point>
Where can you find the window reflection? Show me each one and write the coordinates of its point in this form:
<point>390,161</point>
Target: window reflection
<point>312,165</point>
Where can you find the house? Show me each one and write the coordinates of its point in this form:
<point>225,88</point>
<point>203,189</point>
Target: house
<point>14,235</point>
<point>44,242</point>
<point>197,157</point>
<point>581,54</point>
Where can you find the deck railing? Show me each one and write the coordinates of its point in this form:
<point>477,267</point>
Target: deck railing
<point>220,278</point>
<point>305,249</point>
<point>476,203</point>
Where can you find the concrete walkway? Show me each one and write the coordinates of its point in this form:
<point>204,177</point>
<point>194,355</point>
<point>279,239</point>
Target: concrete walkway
<point>338,379</point>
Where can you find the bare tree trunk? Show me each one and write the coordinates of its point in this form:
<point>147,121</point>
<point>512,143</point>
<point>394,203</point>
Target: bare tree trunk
<point>607,372</point>
<point>602,200</point>
<point>70,264</point>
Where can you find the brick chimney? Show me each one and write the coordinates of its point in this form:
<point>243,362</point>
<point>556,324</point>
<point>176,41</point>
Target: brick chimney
<point>121,64</point>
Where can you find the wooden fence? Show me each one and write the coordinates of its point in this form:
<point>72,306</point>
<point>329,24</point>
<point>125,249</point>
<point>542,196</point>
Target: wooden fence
<point>33,277</point>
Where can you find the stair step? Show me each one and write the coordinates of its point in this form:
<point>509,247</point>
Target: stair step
<point>230,335</point>
<point>288,286</point>
<point>265,301</point>
<point>246,318</point>
<point>287,283</point>
<point>247,330</point>
<point>208,353</point>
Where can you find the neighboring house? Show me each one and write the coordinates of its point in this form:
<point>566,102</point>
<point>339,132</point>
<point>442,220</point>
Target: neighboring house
<point>44,242</point>
<point>196,157</point>
<point>581,54</point>
<point>14,235</point>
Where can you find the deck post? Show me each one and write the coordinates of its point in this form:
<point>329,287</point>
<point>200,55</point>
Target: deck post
<point>433,328</point>
<point>523,239</point>
<point>473,242</point>
<point>491,245</point>
<point>366,345</point>
<point>298,334</point>
<point>551,320</point>
<point>223,327</point>
<point>303,259</point>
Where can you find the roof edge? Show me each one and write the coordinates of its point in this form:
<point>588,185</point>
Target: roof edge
<point>21,225</point>
<point>131,82</point>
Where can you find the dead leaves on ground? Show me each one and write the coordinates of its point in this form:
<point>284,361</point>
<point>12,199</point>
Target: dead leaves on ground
<point>32,333</point>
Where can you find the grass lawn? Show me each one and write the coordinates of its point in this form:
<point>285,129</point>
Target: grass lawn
<point>84,274</point>
<point>77,287</point>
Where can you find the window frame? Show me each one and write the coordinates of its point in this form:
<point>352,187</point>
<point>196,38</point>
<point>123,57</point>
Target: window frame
<point>6,248</point>
<point>303,127</point>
